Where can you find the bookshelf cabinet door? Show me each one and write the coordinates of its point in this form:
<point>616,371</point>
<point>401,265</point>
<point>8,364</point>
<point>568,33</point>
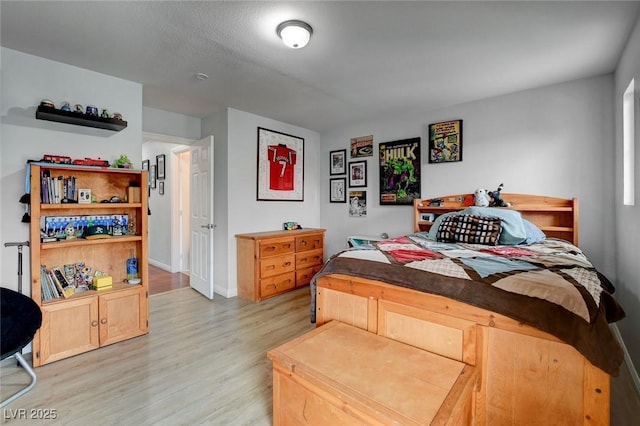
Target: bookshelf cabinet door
<point>68,329</point>
<point>123,314</point>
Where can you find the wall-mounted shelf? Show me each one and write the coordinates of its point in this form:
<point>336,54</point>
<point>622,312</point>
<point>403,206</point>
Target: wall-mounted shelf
<point>79,119</point>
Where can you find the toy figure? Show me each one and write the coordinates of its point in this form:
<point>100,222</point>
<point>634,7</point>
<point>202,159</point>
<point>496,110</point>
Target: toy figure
<point>481,198</point>
<point>496,200</point>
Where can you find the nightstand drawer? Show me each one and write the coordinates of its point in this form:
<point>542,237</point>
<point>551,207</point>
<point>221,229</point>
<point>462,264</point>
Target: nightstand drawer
<point>277,265</point>
<point>309,242</point>
<point>277,284</point>
<point>303,277</point>
<point>309,258</point>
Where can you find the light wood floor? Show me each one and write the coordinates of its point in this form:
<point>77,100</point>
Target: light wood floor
<point>203,362</point>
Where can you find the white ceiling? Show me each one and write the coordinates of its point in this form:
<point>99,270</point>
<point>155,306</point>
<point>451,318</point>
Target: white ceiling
<point>365,58</point>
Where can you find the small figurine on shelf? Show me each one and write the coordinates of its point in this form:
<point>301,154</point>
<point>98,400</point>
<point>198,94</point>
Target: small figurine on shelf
<point>123,162</point>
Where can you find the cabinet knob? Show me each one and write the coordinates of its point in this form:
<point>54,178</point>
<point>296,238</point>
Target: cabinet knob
<point>94,323</point>
<point>103,321</point>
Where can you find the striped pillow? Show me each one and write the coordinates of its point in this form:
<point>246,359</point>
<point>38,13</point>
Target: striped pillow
<point>471,229</point>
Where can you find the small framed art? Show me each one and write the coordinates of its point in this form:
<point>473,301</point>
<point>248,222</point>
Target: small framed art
<point>338,190</point>
<point>337,162</point>
<point>445,141</point>
<point>84,196</point>
<point>161,187</point>
<point>160,168</point>
<point>145,165</point>
<point>152,176</point>
<point>357,174</point>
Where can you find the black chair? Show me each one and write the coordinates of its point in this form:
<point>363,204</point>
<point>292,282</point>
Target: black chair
<point>21,318</point>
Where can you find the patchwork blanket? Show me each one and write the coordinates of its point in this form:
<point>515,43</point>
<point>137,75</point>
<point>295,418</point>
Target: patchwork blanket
<point>549,285</point>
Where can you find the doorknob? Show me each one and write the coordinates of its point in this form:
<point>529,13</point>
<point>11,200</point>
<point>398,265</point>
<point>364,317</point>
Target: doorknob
<point>208,226</point>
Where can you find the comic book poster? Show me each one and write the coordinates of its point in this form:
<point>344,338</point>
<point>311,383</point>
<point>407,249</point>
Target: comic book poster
<point>357,203</point>
<point>399,172</point>
<point>445,141</point>
<point>362,146</point>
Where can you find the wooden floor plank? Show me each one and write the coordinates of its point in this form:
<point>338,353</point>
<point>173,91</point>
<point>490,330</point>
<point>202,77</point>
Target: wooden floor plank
<point>203,362</point>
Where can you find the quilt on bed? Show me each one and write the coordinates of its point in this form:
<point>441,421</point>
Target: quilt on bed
<point>550,285</point>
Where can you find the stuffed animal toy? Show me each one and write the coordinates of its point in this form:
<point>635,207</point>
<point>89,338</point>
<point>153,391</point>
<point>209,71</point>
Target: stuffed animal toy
<point>481,198</point>
<point>496,200</point>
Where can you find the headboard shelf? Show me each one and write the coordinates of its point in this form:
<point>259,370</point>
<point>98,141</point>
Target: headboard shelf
<point>556,217</point>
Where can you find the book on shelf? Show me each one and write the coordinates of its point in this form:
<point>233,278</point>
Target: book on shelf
<point>64,287</point>
<point>57,188</point>
<point>49,289</point>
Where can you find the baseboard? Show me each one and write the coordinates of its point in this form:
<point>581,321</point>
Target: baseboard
<point>160,265</point>
<point>627,357</point>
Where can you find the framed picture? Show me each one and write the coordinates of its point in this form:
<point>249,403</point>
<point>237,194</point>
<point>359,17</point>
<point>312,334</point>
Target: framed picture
<point>160,166</point>
<point>161,187</point>
<point>362,146</point>
<point>399,172</point>
<point>357,203</point>
<point>357,174</point>
<point>337,162</point>
<point>84,196</point>
<point>338,190</point>
<point>145,165</point>
<point>152,176</point>
<point>445,141</point>
<point>280,166</point>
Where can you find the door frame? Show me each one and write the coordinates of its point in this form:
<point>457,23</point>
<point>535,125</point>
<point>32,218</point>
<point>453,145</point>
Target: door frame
<point>172,173</point>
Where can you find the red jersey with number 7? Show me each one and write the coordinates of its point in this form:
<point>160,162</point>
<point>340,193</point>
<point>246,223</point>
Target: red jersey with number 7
<point>282,161</point>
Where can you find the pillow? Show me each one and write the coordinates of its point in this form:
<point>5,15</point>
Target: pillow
<point>469,228</point>
<point>534,234</point>
<point>436,224</point>
<point>513,231</point>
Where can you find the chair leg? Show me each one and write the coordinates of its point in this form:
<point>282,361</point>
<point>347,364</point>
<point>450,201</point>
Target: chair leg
<point>23,362</point>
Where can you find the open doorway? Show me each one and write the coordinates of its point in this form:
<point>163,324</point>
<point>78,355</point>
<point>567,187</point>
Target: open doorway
<point>169,247</point>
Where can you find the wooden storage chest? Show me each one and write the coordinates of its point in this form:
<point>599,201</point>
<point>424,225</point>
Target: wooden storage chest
<point>340,374</point>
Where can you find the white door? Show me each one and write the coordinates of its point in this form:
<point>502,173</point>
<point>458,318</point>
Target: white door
<point>201,223</point>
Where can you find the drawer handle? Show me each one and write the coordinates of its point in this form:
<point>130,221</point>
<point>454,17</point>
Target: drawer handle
<point>303,242</point>
<point>270,267</point>
<point>94,323</point>
<point>270,248</point>
<point>286,245</point>
<point>103,321</point>
<point>287,264</point>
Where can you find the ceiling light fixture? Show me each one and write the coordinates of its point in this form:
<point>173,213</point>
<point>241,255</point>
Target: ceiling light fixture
<point>201,76</point>
<point>295,34</point>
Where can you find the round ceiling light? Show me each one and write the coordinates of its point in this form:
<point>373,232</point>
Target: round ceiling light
<point>295,34</point>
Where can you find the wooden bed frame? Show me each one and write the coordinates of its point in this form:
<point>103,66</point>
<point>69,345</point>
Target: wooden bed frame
<point>527,376</point>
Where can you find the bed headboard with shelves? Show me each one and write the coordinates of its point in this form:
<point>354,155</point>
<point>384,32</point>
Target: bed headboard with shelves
<point>556,217</point>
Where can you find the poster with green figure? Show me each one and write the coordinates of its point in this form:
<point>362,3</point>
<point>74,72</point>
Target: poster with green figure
<point>399,171</point>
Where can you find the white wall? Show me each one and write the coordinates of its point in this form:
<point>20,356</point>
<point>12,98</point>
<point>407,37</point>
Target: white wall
<point>170,123</point>
<point>244,213</point>
<point>554,140</point>
<point>217,125</point>
<point>26,80</point>
<point>628,217</point>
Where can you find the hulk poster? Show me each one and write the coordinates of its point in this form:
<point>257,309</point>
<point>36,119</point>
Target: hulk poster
<point>399,172</point>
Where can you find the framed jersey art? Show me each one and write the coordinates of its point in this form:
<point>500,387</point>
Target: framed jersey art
<point>280,166</point>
